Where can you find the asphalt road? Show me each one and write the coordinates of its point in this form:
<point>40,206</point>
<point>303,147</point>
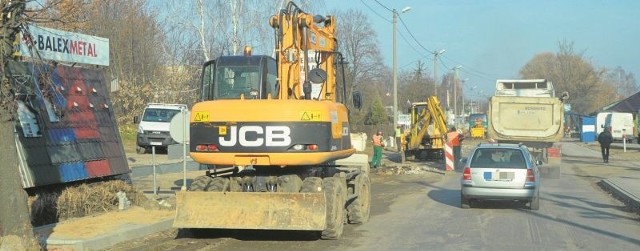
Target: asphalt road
<point>421,212</point>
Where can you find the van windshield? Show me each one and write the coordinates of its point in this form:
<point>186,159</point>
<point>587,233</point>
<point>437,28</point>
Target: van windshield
<point>158,114</point>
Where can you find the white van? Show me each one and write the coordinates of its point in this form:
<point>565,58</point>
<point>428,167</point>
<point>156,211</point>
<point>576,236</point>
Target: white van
<point>621,124</point>
<point>153,128</point>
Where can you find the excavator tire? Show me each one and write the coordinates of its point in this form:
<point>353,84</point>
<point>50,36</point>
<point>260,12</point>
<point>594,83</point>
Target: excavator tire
<point>200,183</point>
<point>234,184</point>
<point>218,184</point>
<point>335,192</point>
<point>289,183</point>
<point>358,211</point>
<point>311,185</point>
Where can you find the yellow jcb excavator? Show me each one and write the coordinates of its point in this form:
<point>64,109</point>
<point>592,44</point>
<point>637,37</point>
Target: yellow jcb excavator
<point>274,136</point>
<point>425,138</point>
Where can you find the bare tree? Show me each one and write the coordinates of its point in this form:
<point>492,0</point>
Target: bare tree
<point>571,72</point>
<point>416,84</point>
<point>14,212</point>
<point>623,82</point>
<point>357,41</point>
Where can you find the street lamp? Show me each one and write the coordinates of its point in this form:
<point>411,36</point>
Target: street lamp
<point>435,70</point>
<point>395,66</point>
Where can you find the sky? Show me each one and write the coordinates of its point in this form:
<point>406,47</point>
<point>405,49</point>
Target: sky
<point>493,39</point>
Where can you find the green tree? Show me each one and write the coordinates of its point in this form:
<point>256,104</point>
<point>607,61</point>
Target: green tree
<point>377,114</point>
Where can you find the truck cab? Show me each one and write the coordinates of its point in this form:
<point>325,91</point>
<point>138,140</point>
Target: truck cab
<point>153,126</point>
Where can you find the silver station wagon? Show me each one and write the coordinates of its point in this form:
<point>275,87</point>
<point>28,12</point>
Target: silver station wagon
<point>498,171</point>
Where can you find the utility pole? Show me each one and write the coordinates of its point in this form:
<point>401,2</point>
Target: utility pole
<point>455,89</point>
<point>395,66</point>
<point>462,94</point>
<point>435,71</point>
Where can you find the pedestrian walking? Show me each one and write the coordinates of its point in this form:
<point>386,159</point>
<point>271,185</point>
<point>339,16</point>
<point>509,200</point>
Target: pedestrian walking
<point>605,139</point>
<point>398,137</point>
<point>377,149</point>
<point>454,139</point>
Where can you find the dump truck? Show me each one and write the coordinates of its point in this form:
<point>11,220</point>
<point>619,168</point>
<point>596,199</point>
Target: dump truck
<point>527,111</point>
<point>426,137</point>
<point>274,136</point>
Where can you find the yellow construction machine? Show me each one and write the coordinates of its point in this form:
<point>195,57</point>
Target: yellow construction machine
<point>477,125</point>
<point>426,137</point>
<point>274,135</point>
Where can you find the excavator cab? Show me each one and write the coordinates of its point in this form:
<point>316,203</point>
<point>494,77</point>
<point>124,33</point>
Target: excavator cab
<point>233,77</point>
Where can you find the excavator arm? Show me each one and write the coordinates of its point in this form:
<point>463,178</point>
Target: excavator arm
<point>301,37</point>
<point>426,136</point>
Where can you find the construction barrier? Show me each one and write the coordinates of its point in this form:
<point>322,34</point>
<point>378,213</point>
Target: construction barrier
<point>554,155</point>
<point>448,153</point>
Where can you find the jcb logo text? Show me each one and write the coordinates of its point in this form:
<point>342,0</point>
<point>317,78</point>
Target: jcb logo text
<point>255,136</point>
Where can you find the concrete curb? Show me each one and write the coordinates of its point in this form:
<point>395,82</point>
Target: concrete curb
<point>613,185</point>
<point>126,233</point>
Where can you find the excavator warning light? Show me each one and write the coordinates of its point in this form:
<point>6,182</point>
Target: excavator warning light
<point>247,50</point>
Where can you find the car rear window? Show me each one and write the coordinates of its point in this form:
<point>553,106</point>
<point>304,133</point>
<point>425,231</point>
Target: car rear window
<point>498,158</point>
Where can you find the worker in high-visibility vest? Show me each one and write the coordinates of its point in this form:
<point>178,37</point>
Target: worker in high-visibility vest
<point>398,136</point>
<point>454,139</point>
<point>378,144</point>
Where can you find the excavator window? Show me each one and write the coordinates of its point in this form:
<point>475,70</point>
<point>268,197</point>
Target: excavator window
<point>234,81</point>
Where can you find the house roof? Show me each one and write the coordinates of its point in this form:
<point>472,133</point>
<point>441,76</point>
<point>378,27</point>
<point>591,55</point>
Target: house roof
<point>630,104</point>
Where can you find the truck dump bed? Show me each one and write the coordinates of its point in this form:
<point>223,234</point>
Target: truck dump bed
<point>537,119</point>
<point>525,111</point>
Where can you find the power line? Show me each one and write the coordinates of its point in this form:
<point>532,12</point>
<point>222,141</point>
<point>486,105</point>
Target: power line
<point>383,6</point>
<point>467,70</point>
<point>414,38</point>
<point>372,10</point>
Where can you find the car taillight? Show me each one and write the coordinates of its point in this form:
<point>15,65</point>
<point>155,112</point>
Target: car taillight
<point>530,176</point>
<point>466,174</point>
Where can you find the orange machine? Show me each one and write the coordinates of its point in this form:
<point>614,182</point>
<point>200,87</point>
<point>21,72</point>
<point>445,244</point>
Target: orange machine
<point>274,136</point>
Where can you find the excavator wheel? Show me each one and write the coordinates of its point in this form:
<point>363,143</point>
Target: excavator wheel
<point>218,184</point>
<point>335,192</point>
<point>200,183</point>
<point>234,184</point>
<point>358,210</point>
<point>289,183</point>
<point>311,185</point>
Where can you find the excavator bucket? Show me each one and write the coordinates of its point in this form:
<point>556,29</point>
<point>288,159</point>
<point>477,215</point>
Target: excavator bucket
<point>250,210</point>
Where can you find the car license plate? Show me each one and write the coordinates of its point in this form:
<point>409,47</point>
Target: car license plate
<point>495,176</point>
<point>506,175</point>
<point>153,143</point>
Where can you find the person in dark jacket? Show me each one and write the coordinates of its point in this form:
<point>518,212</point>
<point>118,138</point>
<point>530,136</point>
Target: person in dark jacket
<point>605,139</point>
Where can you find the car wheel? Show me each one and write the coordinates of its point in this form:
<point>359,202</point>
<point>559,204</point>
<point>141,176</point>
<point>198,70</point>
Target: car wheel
<point>141,149</point>
<point>534,204</point>
<point>464,202</point>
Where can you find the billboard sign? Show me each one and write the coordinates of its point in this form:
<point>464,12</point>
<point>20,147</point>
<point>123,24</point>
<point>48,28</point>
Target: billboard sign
<point>57,45</point>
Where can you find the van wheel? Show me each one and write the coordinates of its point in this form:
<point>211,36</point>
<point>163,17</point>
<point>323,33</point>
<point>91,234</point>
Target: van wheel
<point>141,150</point>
